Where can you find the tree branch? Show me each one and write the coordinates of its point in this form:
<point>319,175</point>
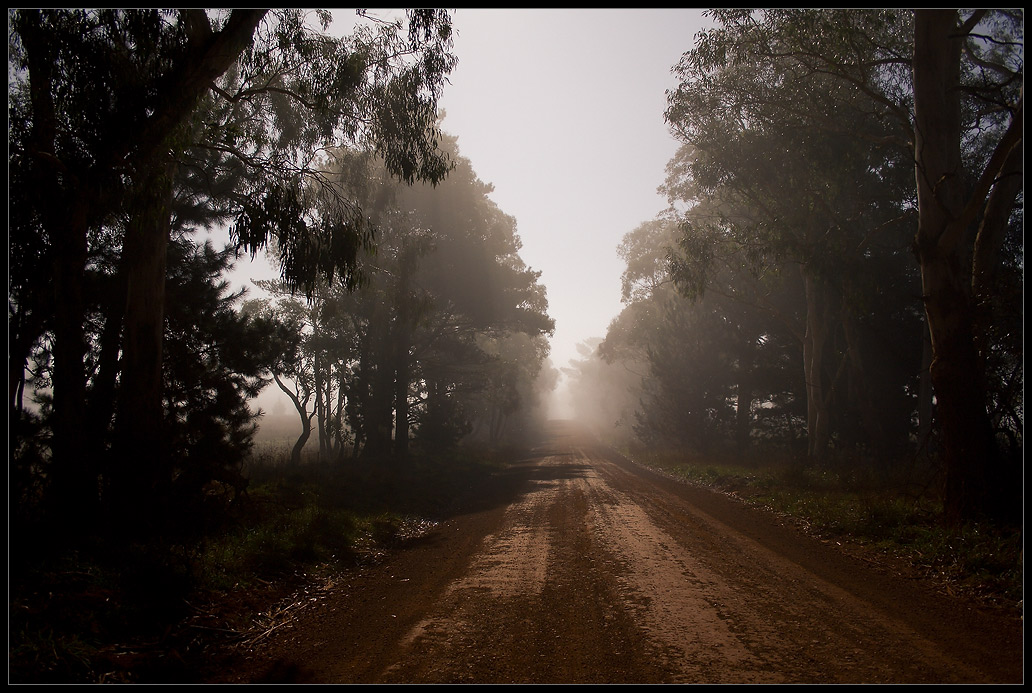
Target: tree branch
<point>1012,139</point>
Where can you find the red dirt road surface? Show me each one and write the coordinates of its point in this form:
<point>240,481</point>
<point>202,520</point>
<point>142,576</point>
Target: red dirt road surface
<point>577,566</point>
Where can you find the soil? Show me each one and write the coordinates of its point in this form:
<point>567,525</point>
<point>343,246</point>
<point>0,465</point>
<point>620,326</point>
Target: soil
<point>577,566</point>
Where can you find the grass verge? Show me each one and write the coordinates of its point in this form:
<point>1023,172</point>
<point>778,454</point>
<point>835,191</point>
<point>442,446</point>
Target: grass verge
<point>106,612</point>
<point>893,512</point>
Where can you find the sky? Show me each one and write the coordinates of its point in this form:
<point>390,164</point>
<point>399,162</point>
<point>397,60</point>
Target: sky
<point>561,110</point>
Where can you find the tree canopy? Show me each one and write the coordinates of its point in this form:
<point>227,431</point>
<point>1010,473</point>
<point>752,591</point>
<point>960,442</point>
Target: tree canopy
<point>444,338</point>
<point>128,124</point>
<point>822,151</point>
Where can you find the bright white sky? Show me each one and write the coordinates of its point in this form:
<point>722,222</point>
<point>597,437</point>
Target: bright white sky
<point>562,111</point>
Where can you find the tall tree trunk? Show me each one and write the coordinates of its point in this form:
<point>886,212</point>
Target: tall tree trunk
<point>946,220</point>
<point>818,425</point>
<point>990,238</point>
<point>74,492</point>
<point>340,409</point>
<point>320,410</point>
<point>103,391</point>
<point>875,402</point>
<point>379,395</point>
<point>743,403</point>
<point>66,220</point>
<point>498,421</point>
<point>140,478</point>
<point>924,394</point>
<point>402,339</point>
<point>401,403</point>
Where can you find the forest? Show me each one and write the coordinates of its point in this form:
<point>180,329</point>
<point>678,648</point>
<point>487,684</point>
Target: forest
<point>403,311</point>
<point>802,296</point>
<point>838,280</point>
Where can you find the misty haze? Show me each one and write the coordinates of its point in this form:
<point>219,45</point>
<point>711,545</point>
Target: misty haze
<point>505,346</point>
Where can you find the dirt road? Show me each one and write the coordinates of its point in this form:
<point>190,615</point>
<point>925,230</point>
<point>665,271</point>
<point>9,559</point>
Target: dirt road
<point>577,566</point>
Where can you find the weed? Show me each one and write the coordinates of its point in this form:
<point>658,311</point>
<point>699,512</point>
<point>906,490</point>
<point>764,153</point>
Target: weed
<point>885,509</point>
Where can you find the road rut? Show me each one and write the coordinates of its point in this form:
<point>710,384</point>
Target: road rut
<point>580,567</point>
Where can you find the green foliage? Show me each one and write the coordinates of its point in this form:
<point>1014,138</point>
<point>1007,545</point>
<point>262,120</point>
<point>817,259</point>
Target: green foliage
<point>102,67</point>
<point>443,338</point>
<point>693,355</point>
<point>299,93</point>
<point>246,103</point>
<point>217,359</point>
<point>310,250</point>
<point>794,169</point>
<point>645,251</point>
<point>279,545</point>
<point>896,514</point>
<point>299,519</point>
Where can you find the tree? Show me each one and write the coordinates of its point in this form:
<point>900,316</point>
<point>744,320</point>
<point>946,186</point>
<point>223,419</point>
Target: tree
<point>476,297</point>
<point>945,90</point>
<point>702,361</point>
<point>216,359</point>
<point>779,195</point>
<point>107,104</point>
<point>296,363</point>
<point>95,126</point>
<point>514,374</point>
<point>605,390</point>
<point>446,322</point>
<point>964,205</point>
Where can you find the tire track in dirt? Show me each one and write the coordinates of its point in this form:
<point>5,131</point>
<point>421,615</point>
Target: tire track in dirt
<point>580,567</point>
<point>769,619</point>
<point>673,596</point>
<point>536,604</point>
<point>700,602</point>
<point>511,566</point>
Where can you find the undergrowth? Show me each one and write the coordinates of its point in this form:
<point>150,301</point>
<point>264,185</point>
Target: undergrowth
<point>894,511</point>
<point>105,611</point>
<point>110,612</point>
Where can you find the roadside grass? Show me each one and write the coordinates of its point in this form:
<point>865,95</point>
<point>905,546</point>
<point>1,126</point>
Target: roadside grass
<point>110,613</point>
<point>317,514</point>
<point>296,519</point>
<point>895,512</point>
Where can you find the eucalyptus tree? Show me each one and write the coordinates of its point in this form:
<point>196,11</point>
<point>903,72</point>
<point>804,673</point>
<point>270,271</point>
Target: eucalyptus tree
<point>445,321</point>
<point>701,362</point>
<point>606,382</point>
<point>790,198</point>
<point>96,97</point>
<point>968,83</point>
<point>515,373</point>
<point>941,89</point>
<point>108,105</point>
<point>604,392</point>
<point>472,294</point>
<point>294,368</point>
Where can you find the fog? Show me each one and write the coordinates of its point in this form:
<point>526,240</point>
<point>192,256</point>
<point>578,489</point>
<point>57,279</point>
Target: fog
<point>562,111</point>
<point>300,296</point>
